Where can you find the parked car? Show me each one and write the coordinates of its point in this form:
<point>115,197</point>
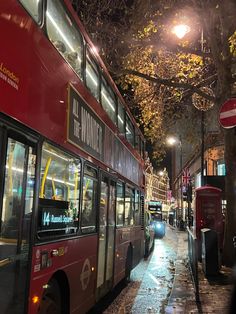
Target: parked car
<point>159,225</point>
<point>149,235</point>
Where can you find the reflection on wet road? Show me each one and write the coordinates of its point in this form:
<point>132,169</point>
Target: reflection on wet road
<point>151,281</point>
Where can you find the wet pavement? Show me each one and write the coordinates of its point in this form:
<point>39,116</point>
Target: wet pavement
<point>163,284</point>
<point>151,281</point>
<point>214,292</point>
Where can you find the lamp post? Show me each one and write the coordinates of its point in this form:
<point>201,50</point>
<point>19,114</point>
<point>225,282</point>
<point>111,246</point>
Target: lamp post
<point>174,141</point>
<point>203,105</point>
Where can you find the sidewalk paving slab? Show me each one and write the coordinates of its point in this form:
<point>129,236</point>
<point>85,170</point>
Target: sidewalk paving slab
<point>214,292</point>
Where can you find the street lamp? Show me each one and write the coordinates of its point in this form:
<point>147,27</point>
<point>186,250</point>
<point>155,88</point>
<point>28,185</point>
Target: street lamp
<point>172,141</point>
<point>181,30</point>
<point>161,173</point>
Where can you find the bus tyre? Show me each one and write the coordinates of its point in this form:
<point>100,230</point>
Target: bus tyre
<point>51,300</point>
<point>128,265</point>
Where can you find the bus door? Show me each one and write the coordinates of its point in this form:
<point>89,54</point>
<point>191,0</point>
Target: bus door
<point>106,237</point>
<point>17,179</point>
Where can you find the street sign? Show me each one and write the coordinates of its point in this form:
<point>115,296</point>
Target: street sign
<point>227,116</point>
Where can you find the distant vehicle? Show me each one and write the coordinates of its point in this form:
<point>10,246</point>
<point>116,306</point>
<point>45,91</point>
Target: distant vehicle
<point>149,234</point>
<point>159,226</point>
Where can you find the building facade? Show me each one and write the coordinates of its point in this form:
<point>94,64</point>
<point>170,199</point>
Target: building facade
<point>157,185</point>
<point>213,174</point>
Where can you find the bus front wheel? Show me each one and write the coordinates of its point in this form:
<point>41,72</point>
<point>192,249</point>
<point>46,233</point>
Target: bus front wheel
<point>51,300</point>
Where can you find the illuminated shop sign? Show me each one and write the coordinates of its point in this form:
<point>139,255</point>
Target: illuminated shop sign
<point>84,128</point>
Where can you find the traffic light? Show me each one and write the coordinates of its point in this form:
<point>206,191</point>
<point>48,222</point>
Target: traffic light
<point>187,193</point>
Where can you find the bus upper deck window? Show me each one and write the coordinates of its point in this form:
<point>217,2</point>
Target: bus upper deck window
<point>34,7</point>
<point>64,35</point>
<point>129,131</point>
<point>92,76</point>
<point>121,118</point>
<point>108,100</point>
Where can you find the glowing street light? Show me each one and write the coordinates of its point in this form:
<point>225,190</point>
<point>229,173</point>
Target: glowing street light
<point>181,30</point>
<point>171,140</point>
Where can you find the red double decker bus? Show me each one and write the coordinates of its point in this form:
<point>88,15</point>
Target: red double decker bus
<point>71,165</point>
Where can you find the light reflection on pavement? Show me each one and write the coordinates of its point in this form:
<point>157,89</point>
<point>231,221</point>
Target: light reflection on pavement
<point>151,281</point>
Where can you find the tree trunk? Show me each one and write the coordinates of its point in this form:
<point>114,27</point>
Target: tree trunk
<point>230,180</point>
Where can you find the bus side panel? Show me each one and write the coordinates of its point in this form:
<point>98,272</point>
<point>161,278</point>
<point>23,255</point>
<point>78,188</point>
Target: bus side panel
<point>79,271</point>
<point>124,237</point>
<point>137,240</point>
<point>122,243</point>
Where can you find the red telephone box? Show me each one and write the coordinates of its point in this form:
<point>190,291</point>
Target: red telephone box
<point>208,211</point>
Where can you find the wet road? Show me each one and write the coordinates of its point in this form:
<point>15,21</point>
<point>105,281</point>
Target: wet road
<point>151,281</point>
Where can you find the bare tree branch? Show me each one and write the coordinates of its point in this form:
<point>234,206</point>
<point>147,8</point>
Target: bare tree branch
<point>172,83</point>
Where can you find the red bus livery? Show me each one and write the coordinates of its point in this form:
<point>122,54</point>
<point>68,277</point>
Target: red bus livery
<point>71,165</point>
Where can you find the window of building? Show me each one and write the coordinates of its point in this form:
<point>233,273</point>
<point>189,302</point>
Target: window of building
<point>92,76</point>
<point>120,204</point>
<point>64,35</point>
<point>60,177</point>
<point>34,7</point>
<point>108,100</point>
<point>198,180</point>
<point>129,132</point>
<point>89,200</point>
<point>221,171</point>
